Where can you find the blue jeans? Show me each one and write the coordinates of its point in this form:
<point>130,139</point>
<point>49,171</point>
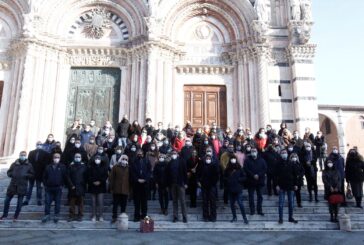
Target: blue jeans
<point>237,197</point>
<point>53,194</point>
<point>123,141</point>
<point>18,205</point>
<point>30,189</point>
<point>251,191</point>
<point>282,195</point>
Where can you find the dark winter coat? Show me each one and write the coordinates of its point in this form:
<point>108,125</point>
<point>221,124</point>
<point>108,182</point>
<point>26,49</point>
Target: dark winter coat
<point>235,178</point>
<point>19,172</point>
<point>186,152</point>
<point>77,173</point>
<point>177,172</point>
<point>300,171</point>
<point>354,169</point>
<point>255,167</point>
<point>339,164</point>
<point>160,174</point>
<point>309,163</point>
<point>122,129</point>
<point>39,160</point>
<point>56,176</point>
<point>97,173</point>
<point>140,169</point>
<point>331,179</point>
<point>208,175</point>
<point>119,179</point>
<point>286,175</point>
<point>271,158</point>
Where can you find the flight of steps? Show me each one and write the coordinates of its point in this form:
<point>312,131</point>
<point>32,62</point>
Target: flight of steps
<point>313,216</point>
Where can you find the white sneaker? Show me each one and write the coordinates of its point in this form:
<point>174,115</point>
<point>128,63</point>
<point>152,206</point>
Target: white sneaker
<point>93,219</point>
<point>101,219</point>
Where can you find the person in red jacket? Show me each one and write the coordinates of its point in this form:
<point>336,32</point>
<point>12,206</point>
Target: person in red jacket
<point>179,142</point>
<point>261,140</point>
<point>216,144</point>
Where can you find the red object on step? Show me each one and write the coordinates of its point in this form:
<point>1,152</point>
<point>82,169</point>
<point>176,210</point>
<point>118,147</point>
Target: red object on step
<point>147,225</point>
<point>336,198</point>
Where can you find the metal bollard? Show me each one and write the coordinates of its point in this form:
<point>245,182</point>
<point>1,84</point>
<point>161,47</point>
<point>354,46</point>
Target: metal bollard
<point>123,222</point>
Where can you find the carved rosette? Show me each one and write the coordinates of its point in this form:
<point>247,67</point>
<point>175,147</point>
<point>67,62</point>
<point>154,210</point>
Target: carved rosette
<point>97,25</point>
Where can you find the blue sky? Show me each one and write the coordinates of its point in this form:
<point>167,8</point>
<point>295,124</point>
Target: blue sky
<point>339,62</point>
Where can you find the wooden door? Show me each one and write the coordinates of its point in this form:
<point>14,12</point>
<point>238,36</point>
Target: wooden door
<point>94,94</point>
<point>205,105</point>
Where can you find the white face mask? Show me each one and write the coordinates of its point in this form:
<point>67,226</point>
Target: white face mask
<point>294,159</point>
<point>78,145</point>
<point>118,151</point>
<point>161,159</point>
<point>174,157</point>
<point>290,149</point>
<point>335,151</point>
<point>72,141</point>
<point>208,161</point>
<point>233,160</point>
<point>152,148</point>
<point>56,160</point>
<point>100,151</point>
<point>92,141</point>
<point>254,154</point>
<point>330,165</point>
<point>308,148</point>
<point>111,140</point>
<point>188,143</point>
<point>98,161</point>
<point>124,162</point>
<point>133,149</point>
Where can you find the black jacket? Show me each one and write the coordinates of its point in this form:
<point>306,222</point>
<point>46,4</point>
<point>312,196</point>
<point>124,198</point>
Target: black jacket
<point>160,174</point>
<point>19,172</point>
<point>39,160</point>
<point>77,173</point>
<point>140,169</point>
<point>97,173</point>
<point>354,169</point>
<point>235,178</point>
<point>177,172</point>
<point>255,167</point>
<point>55,176</point>
<point>286,175</point>
<point>122,129</point>
<point>208,175</point>
<point>271,158</point>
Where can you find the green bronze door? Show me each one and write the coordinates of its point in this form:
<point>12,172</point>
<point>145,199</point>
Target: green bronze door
<point>94,93</point>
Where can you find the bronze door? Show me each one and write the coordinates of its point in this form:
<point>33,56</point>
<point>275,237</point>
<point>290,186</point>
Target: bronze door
<point>205,105</point>
<point>94,94</point>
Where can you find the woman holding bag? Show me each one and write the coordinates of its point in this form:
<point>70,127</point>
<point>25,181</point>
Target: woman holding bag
<point>332,183</point>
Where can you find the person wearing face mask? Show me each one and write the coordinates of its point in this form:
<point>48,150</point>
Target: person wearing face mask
<point>134,129</point>
<point>177,182</point>
<point>255,168</point>
<point>308,159</point>
<point>297,142</point>
<point>93,128</point>
<point>160,177</point>
<point>78,176</point>
<point>249,139</point>
<point>100,152</point>
<point>332,183</point>
<point>239,137</point>
<point>286,180</point>
<point>239,131</point>
<point>55,177</point>
<point>140,174</point>
<point>240,155</point>
<point>339,164</point>
<point>188,129</point>
<point>166,148</point>
<point>215,143</point>
<point>187,150</point>
<point>147,143</point>
<point>49,144</point>
<point>110,145</point>
<point>282,128</point>
<point>106,131</point>
<point>205,143</point>
<point>208,176</point>
<point>79,149</point>
<point>260,140</point>
<point>192,164</point>
<point>115,157</point>
<point>179,142</point>
<point>152,156</point>
<point>122,130</point>
<point>90,147</point>
<point>308,136</point>
<point>57,148</point>
<point>68,153</point>
<point>300,171</point>
<point>354,173</point>
<point>223,148</point>
<point>235,178</point>
<point>149,127</point>
<point>159,130</point>
<point>320,148</point>
<point>197,139</point>
<point>74,130</point>
<point>271,157</point>
<point>85,135</point>
<point>133,146</point>
<point>39,160</point>
<point>291,149</point>
<point>119,186</point>
<point>224,160</point>
<point>20,172</point>
<point>97,174</point>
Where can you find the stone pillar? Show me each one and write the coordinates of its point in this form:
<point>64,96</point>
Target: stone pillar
<point>151,83</point>
<point>304,86</point>
<point>341,133</point>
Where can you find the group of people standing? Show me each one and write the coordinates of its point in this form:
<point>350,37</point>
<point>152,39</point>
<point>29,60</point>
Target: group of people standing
<point>136,163</point>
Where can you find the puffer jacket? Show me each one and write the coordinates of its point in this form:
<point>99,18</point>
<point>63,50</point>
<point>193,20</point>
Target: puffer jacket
<point>19,172</point>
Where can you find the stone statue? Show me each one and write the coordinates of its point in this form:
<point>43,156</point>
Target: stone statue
<point>306,10</point>
<point>295,9</point>
<point>263,10</point>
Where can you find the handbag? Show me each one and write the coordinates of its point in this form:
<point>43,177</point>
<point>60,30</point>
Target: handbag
<point>336,198</point>
<point>147,225</point>
<point>349,192</point>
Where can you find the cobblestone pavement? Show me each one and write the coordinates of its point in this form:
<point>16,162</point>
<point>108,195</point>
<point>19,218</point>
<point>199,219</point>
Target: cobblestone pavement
<point>165,238</point>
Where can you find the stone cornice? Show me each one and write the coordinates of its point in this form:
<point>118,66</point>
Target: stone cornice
<point>204,69</point>
<point>306,51</point>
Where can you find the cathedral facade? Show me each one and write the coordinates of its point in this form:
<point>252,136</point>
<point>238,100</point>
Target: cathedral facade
<point>223,61</point>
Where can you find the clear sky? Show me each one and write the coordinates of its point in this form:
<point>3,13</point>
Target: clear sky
<point>339,62</point>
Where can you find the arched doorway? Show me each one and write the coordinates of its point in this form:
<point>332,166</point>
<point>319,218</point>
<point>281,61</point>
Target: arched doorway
<point>329,130</point>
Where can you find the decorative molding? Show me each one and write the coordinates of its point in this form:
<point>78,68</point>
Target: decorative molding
<point>307,119</point>
<point>301,52</point>
<point>201,69</point>
<point>97,57</point>
<point>279,56</point>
